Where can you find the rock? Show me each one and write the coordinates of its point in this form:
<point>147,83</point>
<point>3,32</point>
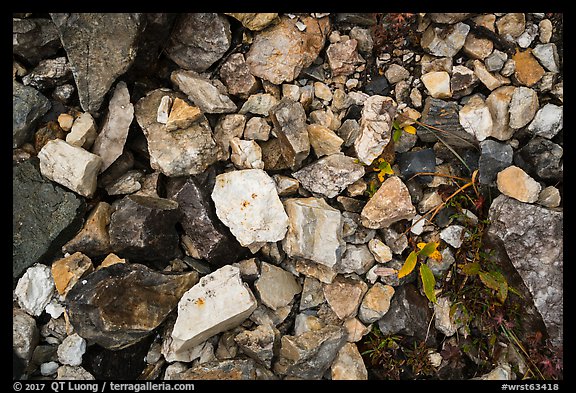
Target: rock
<point>330,175</point>
<point>495,61</point>
<point>491,80</point>
<point>498,102</point>
<point>344,295</point>
<point>414,162</point>
<point>28,106</point>
<point>34,39</point>
<point>178,153</point>
<point>382,253</point>
<point>272,155</point>
<point>355,330</point>
<point>44,216</point>
<point>259,343</point>
<point>396,73</point>
<point>276,287</point>
<point>128,183</point>
<point>228,127</point>
<point>547,55</point>
<point>448,17</point>
<point>234,369</point>
<point>246,154</point>
<point>541,157</point>
<point>73,373</point>
<point>83,133</point>
<point>512,23</point>
<point>25,335</point>
<point>477,47</point>
<point>343,57</point>
<point>545,29</point>
<point>48,74</point>
<point>525,39</point>
<point>312,294</point>
<point>305,323</point>
<point>444,320</point>
<point>533,239</point>
<point>93,240</point>
<point>516,183</point>
<point>198,40</point>
<point>523,107</point>
<point>145,296</point>
<point>280,52</point>
<point>548,121</point>
<point>323,140</point>
<point>202,92</point>
<point>100,47</point>
<point>462,81</point>
<point>475,118</point>
<point>502,372</point>
<point>67,271</point>
<point>49,368</point>
<point>35,289</point>
<point>286,185</point>
<point>289,120</point>
<point>348,364</point>
<point>378,86</point>
<point>310,354</point>
<point>144,228</point>
<point>71,350</point>
<point>314,231</point>
<point>63,93</point>
<point>438,84</point>
<point>443,115</point>
<point>528,71</point>
<point>549,197</point>
<point>197,320</point>
<point>494,158</point>
<point>236,75</point>
<point>65,121</point>
<point>257,128</point>
<point>391,203</point>
<point>70,166</point>
<point>376,303</point>
<point>254,21</point>
<point>181,115</point>
<point>356,259</point>
<point>259,104</point>
<point>378,115</point>
<point>445,41</point>
<point>322,92</point>
<point>453,235</point>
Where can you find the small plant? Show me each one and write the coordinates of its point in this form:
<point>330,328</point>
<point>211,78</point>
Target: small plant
<point>428,281</point>
<point>382,352</point>
<point>398,130</point>
<point>419,361</point>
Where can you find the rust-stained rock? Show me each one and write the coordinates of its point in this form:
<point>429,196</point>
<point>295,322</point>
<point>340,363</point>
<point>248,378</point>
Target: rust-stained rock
<point>93,239</point>
<point>67,271</point>
<point>528,70</point>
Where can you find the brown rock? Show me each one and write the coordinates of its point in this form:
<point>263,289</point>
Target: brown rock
<point>182,115</point>
<point>93,239</point>
<point>344,295</point>
<point>391,203</point>
<point>476,47</point>
<point>512,23</point>
<point>254,21</point>
<point>236,75</point>
<point>528,70</point>
<point>67,271</point>
<point>110,260</point>
<point>343,57</point>
<point>516,183</point>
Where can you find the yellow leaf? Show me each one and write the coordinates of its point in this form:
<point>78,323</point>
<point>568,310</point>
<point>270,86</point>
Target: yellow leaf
<point>409,265</point>
<point>381,176</point>
<point>410,130</point>
<point>436,255</point>
<point>427,249</point>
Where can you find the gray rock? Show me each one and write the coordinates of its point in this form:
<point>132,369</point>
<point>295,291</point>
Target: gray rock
<point>443,115</point>
<point>128,183</point>
<point>495,157</point>
<point>100,47</point>
<point>144,228</point>
<point>34,39</point>
<point>363,38</point>
<point>348,364</point>
<point>395,73</point>
<point>414,162</point>
<point>312,294</point>
<point>259,344</point>
<point>198,40</point>
<point>289,120</point>
<point>453,235</point>
<point>259,104</point>
<point>541,157</point>
<point>233,369</point>
<point>25,335</point>
<point>73,373</point>
<point>495,61</point>
<point>525,39</point>
<point>547,55</point>
<point>549,197</point>
<point>533,239</point>
<point>356,259</point>
<point>44,216</point>
<point>349,131</point>
<point>523,106</point>
<point>202,92</point>
<point>276,287</point>
<point>445,41</point>
<point>548,121</point>
<point>378,115</point>
<point>145,296</point>
<point>28,106</point>
<point>48,74</point>
<point>462,80</point>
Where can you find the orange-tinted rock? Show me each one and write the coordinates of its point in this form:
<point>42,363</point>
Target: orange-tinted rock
<point>67,271</point>
<point>528,70</point>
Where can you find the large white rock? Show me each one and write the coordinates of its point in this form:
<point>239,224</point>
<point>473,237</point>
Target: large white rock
<point>247,202</point>
<point>549,120</point>
<point>70,166</point>
<point>314,231</point>
<point>375,127</point>
<point>218,302</point>
<point>475,118</point>
<point>35,289</point>
<point>71,349</point>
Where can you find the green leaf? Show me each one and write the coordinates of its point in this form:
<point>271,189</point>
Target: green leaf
<point>428,282</point>
<point>409,265</point>
<point>385,168</point>
<point>495,281</point>
<point>471,269</point>
<point>397,134</point>
<point>429,248</point>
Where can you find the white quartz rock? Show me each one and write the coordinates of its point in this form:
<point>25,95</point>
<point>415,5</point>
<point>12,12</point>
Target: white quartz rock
<point>35,289</point>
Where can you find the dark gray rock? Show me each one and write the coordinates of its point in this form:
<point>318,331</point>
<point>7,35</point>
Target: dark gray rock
<point>144,229</point>
<point>44,216</point>
<point>211,238</point>
<point>34,39</point>
<point>198,40</point>
<point>233,369</point>
<point>541,158</point>
<point>121,304</point>
<point>533,239</point>
<point>152,41</point>
<point>414,162</point>
<point>100,47</point>
<point>408,315</point>
<point>28,106</point>
<point>495,157</point>
<point>377,86</point>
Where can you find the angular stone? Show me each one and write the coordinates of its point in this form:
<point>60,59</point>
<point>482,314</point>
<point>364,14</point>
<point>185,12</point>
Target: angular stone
<point>498,102</point>
<point>523,107</point>
<point>93,240</point>
<point>512,23</point>
<point>378,115</point>
<point>34,39</point>
<point>491,80</point>
<point>28,106</point>
<point>312,294</point>
<point>391,203</point>
<point>202,92</point>
<point>527,37</point>
<point>246,154</point>
<point>375,303</point>
<point>286,185</point>
<point>494,158</point>
<point>247,202</point>
<point>226,370</point>
<point>533,239</point>
<point>310,354</point>
<point>289,120</point>
<point>181,115</point>
<point>259,343</point>
<point>528,71</point>
<point>475,118</point>
<point>549,197</point>
<point>314,231</point>
<point>453,235</point>
<point>219,302</point>
<point>73,373</point>
<point>395,73</point>
<point>541,157</point>
<point>110,260</point>
<point>495,61</point>
<point>44,216</point>
<point>355,330</point>
<point>508,68</point>
<point>445,41</point>
<point>348,364</point>
<point>343,57</point>
<point>382,253</point>
<point>443,115</point>
<point>198,40</point>
<point>236,75</point>
<point>48,74</point>
<point>444,319</point>
<point>279,53</point>
<point>414,162</point>
<point>516,183</point>
<point>548,121</point>
<point>254,21</point>
<point>356,259</point>
<point>438,84</point>
<point>228,127</point>
<point>259,104</point>
<point>545,30</point>
<point>276,287</point>
<point>70,166</point>
<point>71,350</point>
<point>323,140</point>
<point>83,133</point>
<point>178,153</point>
<point>144,296</point>
<point>67,271</point>
<point>144,228</point>
<point>257,128</point>
<point>100,47</point>
<point>35,289</point>
<point>477,47</point>
<point>25,335</point>
<point>344,295</point>
<point>272,155</point>
<point>128,183</point>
